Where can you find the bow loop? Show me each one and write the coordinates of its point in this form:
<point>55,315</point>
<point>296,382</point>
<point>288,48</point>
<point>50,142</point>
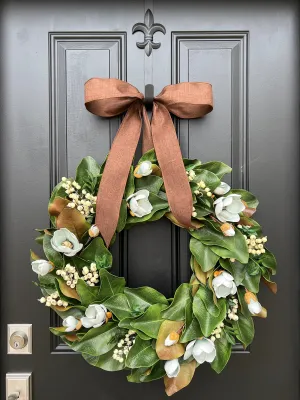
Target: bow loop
<point>111,97</point>
<point>187,99</point>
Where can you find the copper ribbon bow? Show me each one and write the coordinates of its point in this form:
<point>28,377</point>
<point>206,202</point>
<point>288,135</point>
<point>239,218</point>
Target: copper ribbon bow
<point>111,97</point>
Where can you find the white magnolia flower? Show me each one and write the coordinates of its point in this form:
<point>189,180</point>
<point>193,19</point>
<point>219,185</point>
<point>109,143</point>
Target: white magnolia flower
<point>143,169</point>
<point>202,350</point>
<point>65,242</point>
<point>223,188</point>
<point>70,323</point>
<point>171,339</point>
<point>227,229</point>
<point>41,267</point>
<point>139,203</point>
<point>254,305</point>
<point>172,368</point>
<point>95,316</point>
<point>228,208</point>
<point>224,285</point>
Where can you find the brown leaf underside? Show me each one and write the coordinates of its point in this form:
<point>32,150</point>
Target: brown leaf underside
<point>169,352</point>
<point>173,385</point>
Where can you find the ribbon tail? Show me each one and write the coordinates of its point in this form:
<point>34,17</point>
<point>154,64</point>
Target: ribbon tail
<point>114,178</point>
<point>147,134</point>
<point>170,161</point>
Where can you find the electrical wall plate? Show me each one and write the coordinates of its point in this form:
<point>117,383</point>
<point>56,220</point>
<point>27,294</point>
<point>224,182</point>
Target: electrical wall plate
<point>19,339</point>
<point>19,384</point>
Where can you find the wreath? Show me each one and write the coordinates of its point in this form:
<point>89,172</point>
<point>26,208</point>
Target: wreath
<point>115,327</point>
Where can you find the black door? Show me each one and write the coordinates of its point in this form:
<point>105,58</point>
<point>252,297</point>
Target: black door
<point>248,51</point>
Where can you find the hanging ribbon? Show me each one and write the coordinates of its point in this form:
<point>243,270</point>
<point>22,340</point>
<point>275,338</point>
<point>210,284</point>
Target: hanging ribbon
<point>111,97</point>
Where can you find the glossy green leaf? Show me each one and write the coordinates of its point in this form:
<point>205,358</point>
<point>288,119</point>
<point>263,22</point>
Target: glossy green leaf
<point>236,269</point>
<point>87,171</point>
<point>209,178</point>
<point>142,354</point>
<point>105,361</point>
<point>129,189</point>
<point>55,257</point>
<point>143,297</point>
<point>123,216</point>
<point>149,156</point>
<point>191,164</point>
<point>251,282</point>
<point>207,321</point>
<point>206,295</point>
<point>235,246</point>
<point>176,311</point>
<point>98,341</point>
<point>217,167</point>
<point>206,258</point>
<point>110,284</point>
<point>192,328</point>
<point>269,261</point>
<point>118,305</point>
<point>151,182</point>
<point>244,329</point>
<point>223,350</point>
<point>96,252</point>
<point>87,294</point>
<point>149,323</point>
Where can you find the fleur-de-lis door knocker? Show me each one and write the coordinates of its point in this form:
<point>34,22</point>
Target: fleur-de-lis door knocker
<point>148,28</point>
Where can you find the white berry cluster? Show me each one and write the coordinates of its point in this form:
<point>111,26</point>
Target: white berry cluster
<point>124,345</point>
<point>256,245</point>
<point>203,190</point>
<point>90,274</point>
<point>53,300</point>
<point>216,333</point>
<point>81,199</point>
<point>191,174</point>
<point>69,274</point>
<point>232,310</point>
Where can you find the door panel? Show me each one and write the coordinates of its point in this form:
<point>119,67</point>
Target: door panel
<point>248,51</point>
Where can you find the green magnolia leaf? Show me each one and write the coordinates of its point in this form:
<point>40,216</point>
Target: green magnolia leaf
<point>203,207</point>
<point>244,329</point>
<point>74,311</point>
<point>217,167</point>
<point>191,164</point>
<point>248,197</point>
<point>58,191</point>
<point>251,282</point>
<point>206,258</point>
<point>118,305</point>
<point>137,374</point>
<point>143,297</point>
<point>146,374</point>
<point>207,321</point>
<point>149,156</point>
<point>105,361</point>
<point>192,329</point>
<point>152,183</point>
<point>209,178</point>
<point>149,323</point>
<point>110,285</point>
<point>206,296</point>
<point>98,341</point>
<point>87,171</point>
<point>96,252</point>
<point>129,189</point>
<point>235,246</point>
<point>253,267</point>
<point>268,260</point>
<point>223,349</point>
<point>52,255</point>
<point>141,354</point>
<point>176,311</point>
<point>87,294</point>
<point>123,216</point>
<point>236,269</point>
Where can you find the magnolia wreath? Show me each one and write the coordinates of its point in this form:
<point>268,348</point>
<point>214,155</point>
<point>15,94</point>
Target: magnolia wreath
<point>115,327</point>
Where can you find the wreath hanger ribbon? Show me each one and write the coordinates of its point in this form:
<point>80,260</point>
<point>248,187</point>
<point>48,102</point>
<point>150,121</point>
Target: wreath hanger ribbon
<point>111,97</point>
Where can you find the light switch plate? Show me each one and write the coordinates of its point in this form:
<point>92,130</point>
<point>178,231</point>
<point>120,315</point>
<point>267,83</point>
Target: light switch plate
<point>19,383</point>
<point>27,329</point>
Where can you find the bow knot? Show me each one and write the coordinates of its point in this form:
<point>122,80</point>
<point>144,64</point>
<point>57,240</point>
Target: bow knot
<point>112,97</point>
